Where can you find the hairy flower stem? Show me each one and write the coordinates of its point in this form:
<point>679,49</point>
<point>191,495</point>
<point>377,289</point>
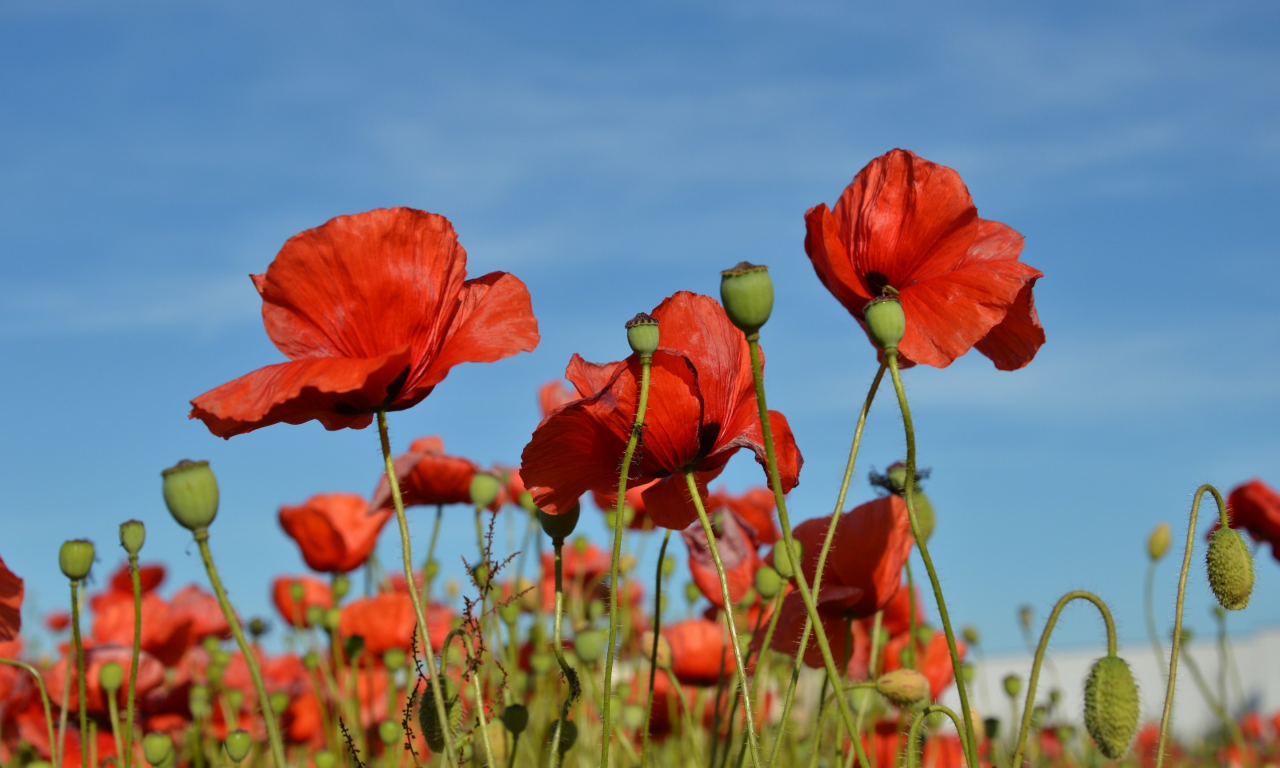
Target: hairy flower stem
<point>1172,678</point>
<point>752,744</point>
<point>113,712</point>
<point>913,755</point>
<point>970,743</point>
<point>1148,604</point>
<point>451,757</point>
<point>201,535</point>
<point>775,482</point>
<point>653,653</point>
<point>82,702</point>
<point>1027,708</point>
<point>133,664</point>
<point>575,688</point>
<point>871,674</point>
<point>44,694</point>
<point>637,426</point>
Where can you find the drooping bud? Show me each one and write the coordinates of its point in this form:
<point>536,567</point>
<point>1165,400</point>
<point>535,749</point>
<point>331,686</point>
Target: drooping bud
<point>1230,569</point>
<point>971,635</point>
<point>515,718</point>
<point>784,565</point>
<point>1158,542</point>
<point>389,731</point>
<point>1111,706</point>
<point>885,321</point>
<point>110,677</point>
<point>559,527</point>
<point>568,735</point>
<point>156,747</point>
<point>663,659</point>
<point>924,514</point>
<point>429,718</point>
<point>133,534</point>
<point>589,645</point>
<point>903,687</point>
<point>325,759</point>
<point>76,558</point>
<point>768,582</point>
<point>191,493</point>
<point>237,744</point>
<point>1012,685</point>
<point>746,291</point>
<point>642,335</point>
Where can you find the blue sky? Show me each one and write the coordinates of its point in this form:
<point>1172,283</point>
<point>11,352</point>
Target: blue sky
<point>154,154</point>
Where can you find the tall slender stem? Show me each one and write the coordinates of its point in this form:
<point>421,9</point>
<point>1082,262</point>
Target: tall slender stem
<point>653,653</point>
<point>971,755</point>
<point>451,757</point>
<point>1148,605</point>
<point>201,536</point>
<point>1177,614</point>
<point>637,427</point>
<point>133,664</point>
<point>575,688</point>
<point>78,647</point>
<point>913,758</point>
<point>113,712</point>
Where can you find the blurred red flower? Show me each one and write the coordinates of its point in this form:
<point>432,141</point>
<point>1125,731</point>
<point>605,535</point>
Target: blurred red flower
<point>909,224</point>
<point>387,621</point>
<point>202,608</point>
<point>150,577</point>
<point>581,568</point>
<point>150,675</point>
<point>1255,507</point>
<point>428,475</point>
<point>754,507</point>
<point>700,651</point>
<point>554,394</point>
<point>702,409</point>
<point>372,311</point>
<point>634,498</point>
<point>737,554</point>
<point>335,531</point>
<point>11,590</point>
<point>314,592</point>
<point>166,633</point>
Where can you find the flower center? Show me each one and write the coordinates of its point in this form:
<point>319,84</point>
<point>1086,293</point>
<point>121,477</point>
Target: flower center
<point>876,282</point>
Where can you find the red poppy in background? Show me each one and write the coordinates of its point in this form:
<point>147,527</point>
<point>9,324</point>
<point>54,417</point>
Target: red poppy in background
<point>700,651</point>
<point>372,311</point>
<point>754,507</point>
<point>387,621</point>
<point>202,609</point>
<point>579,567</point>
<point>335,531</point>
<point>150,577</point>
<point>909,224</point>
<point>428,475</point>
<point>314,592</point>
<point>554,394</point>
<point>933,659</point>
<point>737,554</point>
<point>634,498</point>
<point>897,612</point>
<point>150,675</point>
<point>166,632</point>
<point>57,621</point>
<point>11,591</point>
<point>1255,507</point>
<point>702,409</point>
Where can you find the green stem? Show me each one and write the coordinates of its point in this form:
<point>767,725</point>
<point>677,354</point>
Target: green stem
<point>428,654</point>
<point>913,758</point>
<point>1027,708</point>
<point>431,552</point>
<point>733,709</point>
<point>201,536</point>
<point>871,674</point>
<point>1177,615</point>
<point>1218,709</point>
<point>911,616</point>
<point>113,711</point>
<point>575,688</point>
<point>62,720</point>
<point>624,475</point>
<point>752,744</point>
<point>1148,604</point>
<point>44,696</point>
<point>474,660</point>
<point>81,705</point>
<point>133,665</point>
<point>971,755</point>
<point>653,654</point>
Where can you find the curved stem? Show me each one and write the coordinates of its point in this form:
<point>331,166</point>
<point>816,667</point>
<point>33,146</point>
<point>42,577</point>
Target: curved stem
<point>81,705</point>
<point>201,536</point>
<point>133,665</point>
<point>1177,614</point>
<point>575,688</point>
<point>971,756</point>
<point>1078,594</point>
<point>469,649</point>
<point>113,712</point>
<point>451,757</point>
<point>44,695</point>
<point>913,759</point>
<point>614,588</point>
<point>653,654</point>
<point>1148,605</point>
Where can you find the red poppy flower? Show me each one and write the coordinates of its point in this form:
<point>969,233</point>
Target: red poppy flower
<point>754,507</point>
<point>1255,507</point>
<point>737,554</point>
<point>166,633</point>
<point>634,498</point>
<point>933,659</point>
<point>203,610</point>
<point>150,577</point>
<point>702,409</point>
<point>909,224</point>
<point>335,531</point>
<point>428,475</point>
<point>897,612</point>
<point>940,749</point>
<point>57,621</point>
<point>150,675</point>
<point>554,394</point>
<point>387,621</point>
<point>700,651</point>
<point>11,589</point>
<point>372,311</point>
<point>581,568</point>
<point>314,592</point>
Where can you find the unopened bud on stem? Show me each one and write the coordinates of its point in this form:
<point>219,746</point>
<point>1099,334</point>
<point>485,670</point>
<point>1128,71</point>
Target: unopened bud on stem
<point>1158,542</point>
<point>1230,569</point>
<point>903,687</point>
<point>76,558</point>
<point>560,526</point>
<point>746,291</point>
<point>133,534</point>
<point>484,489</point>
<point>1111,706</point>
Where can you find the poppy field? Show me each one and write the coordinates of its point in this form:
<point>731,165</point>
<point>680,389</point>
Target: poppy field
<point>819,645</point>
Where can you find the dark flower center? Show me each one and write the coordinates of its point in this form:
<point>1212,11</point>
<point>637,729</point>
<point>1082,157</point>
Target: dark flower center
<point>876,282</point>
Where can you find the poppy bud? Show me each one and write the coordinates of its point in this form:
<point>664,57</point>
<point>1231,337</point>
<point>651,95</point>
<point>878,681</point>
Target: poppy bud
<point>1025,614</point>
<point>484,489</point>
<point>746,291</point>
<point>595,609</point>
<point>1158,542</point>
<point>257,627</point>
<point>580,544</point>
<point>279,702</point>
<point>966,672</point>
<point>626,563</point>
<point>663,659</point>
<point>589,645</point>
<point>297,592</point>
<point>76,558</point>
<point>692,593</point>
<point>990,727</point>
<point>331,618</point>
<point>510,613</point>
<point>1012,686</point>
<point>110,677</point>
<point>191,493</point>
<point>971,635</point>
<point>768,582</point>
<point>1111,706</point>
<point>785,565</point>
<point>314,615</point>
<point>886,324</point>
<point>353,646</point>
<point>132,536</point>
<point>568,735</point>
<point>237,744</point>
<point>429,718</point>
<point>924,514</point>
<point>325,759</point>
<point>515,718</point>
<point>480,574</point>
<point>525,500</point>
<point>430,569</point>
<point>157,747</point>
<point>1230,569</point>
<point>235,698</point>
<point>340,587</point>
<point>642,335</point>
<point>390,732</point>
<point>903,687</point>
<point>558,527</point>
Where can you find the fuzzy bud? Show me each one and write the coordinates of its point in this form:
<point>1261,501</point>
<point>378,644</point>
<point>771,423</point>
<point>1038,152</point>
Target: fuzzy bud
<point>971,635</point>
<point>1158,542</point>
<point>885,321</point>
<point>1230,569</point>
<point>389,732</point>
<point>784,565</point>
<point>237,744</point>
<point>76,558</point>
<point>515,718</point>
<point>110,677</point>
<point>903,687</point>
<point>663,659</point>
<point>746,291</point>
<point>1111,706</point>
<point>157,747</point>
<point>484,489</point>
<point>133,534</point>
<point>768,582</point>
<point>559,527</point>
<point>429,718</point>
<point>191,493</point>
<point>1012,686</point>
<point>568,735</point>
<point>642,335</point>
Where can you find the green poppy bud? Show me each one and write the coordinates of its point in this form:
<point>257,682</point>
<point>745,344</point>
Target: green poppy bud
<point>903,687</point>
<point>110,677</point>
<point>157,747</point>
<point>746,291</point>
<point>966,672</point>
<point>1055,697</point>
<point>692,593</point>
<point>431,568</point>
<point>429,718</point>
<point>580,544</point>
<point>886,324</point>
<point>568,735</point>
<point>525,500</point>
<point>279,702</point>
<point>393,658</point>
<point>191,493</point>
<point>1038,714</point>
<point>971,635</point>
<point>783,564</point>
<point>480,574</point>
<point>1230,569</point>
<point>924,514</point>
<point>768,582</point>
<point>484,489</point>
<point>1111,706</point>
<point>325,759</point>
<point>668,566</point>
<point>235,698</point>
<point>510,613</point>
<point>133,534</point>
<point>237,744</point>
<point>353,646</point>
<point>1012,685</point>
<point>515,718</point>
<point>589,645</point>
<point>76,558</point>
<point>1025,616</point>
<point>311,661</point>
<point>1158,542</point>
<point>991,727</point>
<point>340,587</point>
<point>297,592</point>
<point>558,527</point>
<point>313,616</point>
<point>390,732</point>
<point>642,335</point>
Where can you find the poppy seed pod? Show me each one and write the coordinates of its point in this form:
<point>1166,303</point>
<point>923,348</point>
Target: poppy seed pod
<point>133,534</point>
<point>237,744</point>
<point>429,718</point>
<point>1012,686</point>
<point>589,645</point>
<point>903,687</point>
<point>746,291</point>
<point>191,493</point>
<point>157,747</point>
<point>111,677</point>
<point>1111,706</point>
<point>971,635</point>
<point>663,658</point>
<point>668,566</point>
<point>389,731</point>
<point>484,489</point>
<point>692,593</point>
<point>1158,542</point>
<point>279,702</point>
<point>257,627</point>
<point>526,501</point>
<point>886,323</point>
<point>76,558</point>
<point>768,582</point>
<point>393,658</point>
<point>558,527</point>
<point>1230,569</point>
<point>783,564</point>
<point>325,759</point>
<point>642,335</point>
<point>515,718</point>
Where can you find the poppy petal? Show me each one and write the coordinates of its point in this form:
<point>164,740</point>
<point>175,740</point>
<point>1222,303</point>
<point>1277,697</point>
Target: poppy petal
<point>1016,340</point>
<point>11,590</point>
<point>590,378</point>
<point>830,258</point>
<point>493,319</point>
<point>668,503</point>
<point>785,449</point>
<point>554,394</point>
